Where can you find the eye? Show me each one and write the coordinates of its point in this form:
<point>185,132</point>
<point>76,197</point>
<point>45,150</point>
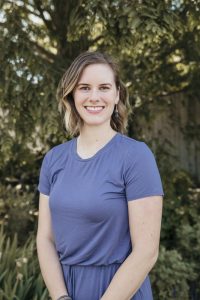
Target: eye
<point>84,88</point>
<point>104,87</point>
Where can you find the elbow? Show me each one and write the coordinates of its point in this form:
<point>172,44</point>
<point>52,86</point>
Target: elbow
<point>44,237</point>
<point>39,237</point>
<point>154,256</point>
<point>42,241</point>
<point>39,241</point>
<point>150,255</point>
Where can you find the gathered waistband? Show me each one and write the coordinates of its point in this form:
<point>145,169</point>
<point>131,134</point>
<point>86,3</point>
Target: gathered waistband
<point>91,281</point>
<point>91,265</point>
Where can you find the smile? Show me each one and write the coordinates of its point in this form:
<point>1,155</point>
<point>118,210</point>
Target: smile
<point>94,108</point>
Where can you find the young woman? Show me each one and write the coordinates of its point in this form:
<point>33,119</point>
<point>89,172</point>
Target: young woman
<point>100,193</point>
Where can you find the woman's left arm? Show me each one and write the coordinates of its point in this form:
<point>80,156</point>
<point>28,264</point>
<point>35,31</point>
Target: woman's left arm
<point>144,222</point>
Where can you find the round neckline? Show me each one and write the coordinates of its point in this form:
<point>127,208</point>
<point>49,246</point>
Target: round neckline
<point>104,148</point>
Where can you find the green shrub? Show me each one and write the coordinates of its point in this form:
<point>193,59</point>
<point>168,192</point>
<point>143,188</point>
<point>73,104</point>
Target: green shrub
<point>20,277</point>
<point>177,272</point>
<point>171,275</point>
<point>18,212</point>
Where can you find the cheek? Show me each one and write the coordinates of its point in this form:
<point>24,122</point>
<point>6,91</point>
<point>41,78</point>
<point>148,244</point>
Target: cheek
<point>78,98</point>
<point>111,97</point>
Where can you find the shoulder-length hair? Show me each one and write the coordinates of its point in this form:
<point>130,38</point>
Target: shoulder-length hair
<point>68,82</point>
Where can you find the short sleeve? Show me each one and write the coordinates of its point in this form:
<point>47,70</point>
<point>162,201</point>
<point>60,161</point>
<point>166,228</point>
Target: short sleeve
<point>44,178</point>
<point>142,178</point>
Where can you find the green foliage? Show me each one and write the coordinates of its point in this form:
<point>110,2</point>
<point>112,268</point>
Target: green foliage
<point>171,275</point>
<point>18,212</point>
<point>177,272</point>
<point>157,45</point>
<point>20,277</point>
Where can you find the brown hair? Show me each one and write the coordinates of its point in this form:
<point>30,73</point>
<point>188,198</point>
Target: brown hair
<point>68,82</point>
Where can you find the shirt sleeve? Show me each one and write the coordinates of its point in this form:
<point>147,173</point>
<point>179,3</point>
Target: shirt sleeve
<point>44,177</point>
<point>142,178</point>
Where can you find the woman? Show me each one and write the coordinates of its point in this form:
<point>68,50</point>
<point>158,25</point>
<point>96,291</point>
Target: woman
<point>100,193</point>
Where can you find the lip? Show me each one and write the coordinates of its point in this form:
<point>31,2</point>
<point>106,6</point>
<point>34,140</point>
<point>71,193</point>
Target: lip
<point>94,105</point>
<point>94,112</point>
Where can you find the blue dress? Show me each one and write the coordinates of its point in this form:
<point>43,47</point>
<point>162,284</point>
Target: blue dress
<point>89,211</point>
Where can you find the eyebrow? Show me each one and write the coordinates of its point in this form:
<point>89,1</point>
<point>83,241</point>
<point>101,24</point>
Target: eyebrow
<point>89,84</point>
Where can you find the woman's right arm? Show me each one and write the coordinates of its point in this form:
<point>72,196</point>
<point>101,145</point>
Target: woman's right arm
<point>47,255</point>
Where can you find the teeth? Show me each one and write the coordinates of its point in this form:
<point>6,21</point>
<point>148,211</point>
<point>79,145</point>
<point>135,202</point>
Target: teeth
<point>94,107</point>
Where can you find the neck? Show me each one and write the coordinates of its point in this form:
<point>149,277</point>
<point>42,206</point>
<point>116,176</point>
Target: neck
<point>91,136</point>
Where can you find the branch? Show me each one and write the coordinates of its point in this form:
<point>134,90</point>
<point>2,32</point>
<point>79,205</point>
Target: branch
<point>25,8</point>
<point>38,5</point>
<point>48,55</point>
<point>48,10</point>
<point>173,93</point>
<point>96,39</point>
<point>31,13</point>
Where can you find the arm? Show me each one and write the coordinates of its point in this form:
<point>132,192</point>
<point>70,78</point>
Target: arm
<point>47,254</point>
<point>144,222</point>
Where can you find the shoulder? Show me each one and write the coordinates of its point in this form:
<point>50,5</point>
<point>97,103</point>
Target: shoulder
<point>132,147</point>
<point>58,153</point>
<point>141,174</point>
<point>136,154</point>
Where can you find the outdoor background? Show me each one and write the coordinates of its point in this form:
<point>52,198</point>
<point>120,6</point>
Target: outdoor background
<point>157,44</point>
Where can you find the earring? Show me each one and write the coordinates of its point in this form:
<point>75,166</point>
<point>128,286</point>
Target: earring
<point>116,112</point>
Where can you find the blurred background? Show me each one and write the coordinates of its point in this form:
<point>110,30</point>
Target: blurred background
<point>157,44</point>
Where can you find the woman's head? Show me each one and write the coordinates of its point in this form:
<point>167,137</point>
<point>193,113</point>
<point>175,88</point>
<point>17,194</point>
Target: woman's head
<point>70,89</point>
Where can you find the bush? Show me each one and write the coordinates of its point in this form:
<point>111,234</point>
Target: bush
<point>171,275</point>
<point>18,212</point>
<point>20,277</point>
<point>177,272</point>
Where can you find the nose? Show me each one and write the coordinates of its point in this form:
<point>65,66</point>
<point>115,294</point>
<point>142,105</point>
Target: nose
<point>94,95</point>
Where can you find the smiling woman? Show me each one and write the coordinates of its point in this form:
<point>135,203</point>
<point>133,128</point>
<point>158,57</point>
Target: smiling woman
<point>96,94</point>
<point>93,75</point>
<point>100,193</point>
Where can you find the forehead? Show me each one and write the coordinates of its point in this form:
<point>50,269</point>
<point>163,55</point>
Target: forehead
<point>98,73</point>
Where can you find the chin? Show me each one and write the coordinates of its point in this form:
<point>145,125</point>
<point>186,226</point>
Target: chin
<point>95,122</point>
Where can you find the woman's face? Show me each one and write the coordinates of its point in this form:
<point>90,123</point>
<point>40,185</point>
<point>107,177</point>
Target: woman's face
<point>95,94</point>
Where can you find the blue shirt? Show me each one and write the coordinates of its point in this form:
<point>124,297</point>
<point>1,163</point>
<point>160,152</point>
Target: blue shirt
<point>88,197</point>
